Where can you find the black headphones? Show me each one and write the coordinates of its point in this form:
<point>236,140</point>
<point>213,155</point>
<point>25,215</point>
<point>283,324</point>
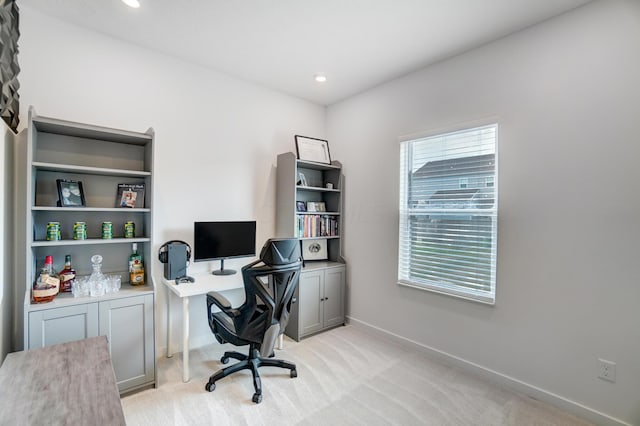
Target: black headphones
<point>162,252</point>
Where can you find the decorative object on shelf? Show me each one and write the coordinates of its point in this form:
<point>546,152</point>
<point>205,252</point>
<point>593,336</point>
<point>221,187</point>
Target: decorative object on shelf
<point>130,195</point>
<point>107,230</point>
<point>312,149</point>
<point>329,185</point>
<point>316,206</point>
<point>302,179</point>
<point>70,193</point>
<point>80,231</point>
<point>47,284</point>
<point>53,231</point>
<point>129,229</point>
<point>9,68</point>
<point>300,206</point>
<point>314,249</point>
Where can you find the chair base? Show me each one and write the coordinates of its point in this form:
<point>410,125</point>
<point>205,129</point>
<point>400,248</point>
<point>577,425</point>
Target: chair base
<point>252,362</point>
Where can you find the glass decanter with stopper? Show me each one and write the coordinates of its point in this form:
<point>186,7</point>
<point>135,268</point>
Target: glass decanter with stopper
<point>97,280</point>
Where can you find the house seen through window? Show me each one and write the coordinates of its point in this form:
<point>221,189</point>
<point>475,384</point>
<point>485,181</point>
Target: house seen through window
<point>448,213</point>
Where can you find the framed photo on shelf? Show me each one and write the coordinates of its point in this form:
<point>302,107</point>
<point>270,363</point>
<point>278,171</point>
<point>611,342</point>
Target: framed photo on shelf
<point>130,195</point>
<point>70,193</point>
<point>302,179</point>
<point>312,149</point>
<point>314,249</point>
<point>316,206</point>
<point>300,206</point>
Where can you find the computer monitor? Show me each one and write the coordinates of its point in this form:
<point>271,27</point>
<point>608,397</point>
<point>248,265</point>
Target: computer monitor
<point>223,240</point>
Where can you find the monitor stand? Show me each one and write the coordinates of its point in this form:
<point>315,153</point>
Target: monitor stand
<point>223,271</point>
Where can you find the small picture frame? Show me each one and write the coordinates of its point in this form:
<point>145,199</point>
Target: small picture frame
<point>312,149</point>
<point>130,195</point>
<point>70,193</point>
<point>314,249</point>
<point>316,206</point>
<point>302,179</point>
<point>301,206</point>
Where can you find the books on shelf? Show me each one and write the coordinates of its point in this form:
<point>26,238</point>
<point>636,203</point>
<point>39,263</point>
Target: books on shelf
<point>315,225</point>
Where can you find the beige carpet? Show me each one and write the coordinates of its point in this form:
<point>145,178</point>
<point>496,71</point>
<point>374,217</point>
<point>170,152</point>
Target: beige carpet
<point>345,377</point>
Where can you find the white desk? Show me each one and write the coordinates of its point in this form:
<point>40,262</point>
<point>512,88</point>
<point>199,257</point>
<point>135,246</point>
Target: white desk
<point>202,285</point>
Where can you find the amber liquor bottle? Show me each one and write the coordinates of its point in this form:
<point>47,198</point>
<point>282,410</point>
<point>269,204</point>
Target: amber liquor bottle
<point>47,284</point>
<point>67,275</point>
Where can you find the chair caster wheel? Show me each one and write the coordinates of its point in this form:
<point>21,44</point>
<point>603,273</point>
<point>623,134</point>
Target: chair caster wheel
<point>209,387</point>
<point>257,398</point>
<point>224,360</point>
<point>294,373</point>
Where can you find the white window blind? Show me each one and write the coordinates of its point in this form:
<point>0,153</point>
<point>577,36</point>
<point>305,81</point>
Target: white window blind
<point>448,231</point>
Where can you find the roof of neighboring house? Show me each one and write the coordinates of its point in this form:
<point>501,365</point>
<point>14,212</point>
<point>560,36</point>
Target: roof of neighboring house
<point>456,166</point>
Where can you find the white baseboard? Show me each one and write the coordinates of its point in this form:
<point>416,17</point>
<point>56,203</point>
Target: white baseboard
<point>496,377</point>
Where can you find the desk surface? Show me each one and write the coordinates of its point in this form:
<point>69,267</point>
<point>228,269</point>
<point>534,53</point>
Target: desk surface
<point>204,284</point>
<point>67,384</point>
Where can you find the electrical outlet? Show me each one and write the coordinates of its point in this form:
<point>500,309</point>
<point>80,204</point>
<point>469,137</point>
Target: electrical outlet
<point>606,370</point>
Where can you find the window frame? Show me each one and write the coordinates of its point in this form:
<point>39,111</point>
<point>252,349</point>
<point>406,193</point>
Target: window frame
<point>449,289</point>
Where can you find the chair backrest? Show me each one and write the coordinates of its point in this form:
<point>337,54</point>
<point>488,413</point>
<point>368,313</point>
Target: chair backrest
<point>269,284</point>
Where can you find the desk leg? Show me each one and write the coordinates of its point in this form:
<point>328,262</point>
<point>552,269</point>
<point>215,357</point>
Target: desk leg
<point>280,342</point>
<point>169,353</point>
<point>185,339</point>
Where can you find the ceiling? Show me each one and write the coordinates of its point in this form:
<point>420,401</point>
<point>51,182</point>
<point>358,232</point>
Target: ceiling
<point>282,44</point>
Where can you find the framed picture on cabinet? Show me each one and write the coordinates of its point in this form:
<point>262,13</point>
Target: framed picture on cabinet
<point>316,206</point>
<point>130,195</point>
<point>314,249</point>
<point>70,193</point>
<point>302,179</point>
<point>312,149</point>
<point>300,206</point>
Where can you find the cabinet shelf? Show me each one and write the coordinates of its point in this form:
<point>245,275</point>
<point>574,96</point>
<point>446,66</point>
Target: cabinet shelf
<point>89,209</point>
<point>326,237</point>
<point>67,299</point>
<point>100,171</point>
<point>316,188</point>
<point>320,213</point>
<point>89,241</point>
<point>317,166</point>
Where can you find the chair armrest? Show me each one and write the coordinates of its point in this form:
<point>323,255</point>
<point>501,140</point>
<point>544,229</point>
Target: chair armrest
<point>215,298</point>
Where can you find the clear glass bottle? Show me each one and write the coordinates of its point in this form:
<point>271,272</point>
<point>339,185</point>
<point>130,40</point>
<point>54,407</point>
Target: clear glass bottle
<point>47,285</point>
<point>136,267</point>
<point>97,280</point>
<point>67,275</point>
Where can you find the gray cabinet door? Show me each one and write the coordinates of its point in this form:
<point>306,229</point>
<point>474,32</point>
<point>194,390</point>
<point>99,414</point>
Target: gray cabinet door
<point>61,325</point>
<point>311,287</point>
<point>128,325</point>
<point>333,297</point>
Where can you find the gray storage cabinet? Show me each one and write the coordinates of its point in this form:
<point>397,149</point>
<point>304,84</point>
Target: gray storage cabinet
<point>100,158</point>
<point>126,322</point>
<point>319,302</point>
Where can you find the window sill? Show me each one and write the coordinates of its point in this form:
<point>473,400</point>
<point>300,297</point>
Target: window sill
<point>474,297</point>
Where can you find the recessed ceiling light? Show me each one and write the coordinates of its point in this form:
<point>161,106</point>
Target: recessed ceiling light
<point>320,78</point>
<point>132,3</point>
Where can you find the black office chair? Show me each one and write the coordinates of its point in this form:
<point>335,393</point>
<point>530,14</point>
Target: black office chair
<point>262,317</point>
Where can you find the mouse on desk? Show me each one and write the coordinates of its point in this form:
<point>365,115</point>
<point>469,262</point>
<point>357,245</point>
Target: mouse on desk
<point>185,279</point>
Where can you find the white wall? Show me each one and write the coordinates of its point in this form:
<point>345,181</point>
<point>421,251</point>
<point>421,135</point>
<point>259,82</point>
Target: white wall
<point>217,138</point>
<point>567,98</point>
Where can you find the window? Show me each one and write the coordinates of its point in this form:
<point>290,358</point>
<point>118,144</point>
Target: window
<point>448,231</point>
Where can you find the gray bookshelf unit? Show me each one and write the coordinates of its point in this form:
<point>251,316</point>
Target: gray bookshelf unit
<point>100,158</point>
<point>319,299</point>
